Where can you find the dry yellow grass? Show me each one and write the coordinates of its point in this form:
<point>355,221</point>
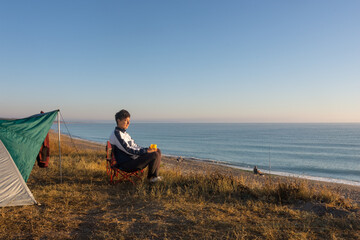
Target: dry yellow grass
<point>184,206</point>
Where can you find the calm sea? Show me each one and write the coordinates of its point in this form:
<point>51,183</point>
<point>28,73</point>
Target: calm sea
<point>329,152</point>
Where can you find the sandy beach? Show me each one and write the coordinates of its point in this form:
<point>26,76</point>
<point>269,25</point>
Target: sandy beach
<point>195,166</point>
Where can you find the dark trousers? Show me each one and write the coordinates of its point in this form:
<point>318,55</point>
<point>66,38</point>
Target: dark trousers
<point>152,160</point>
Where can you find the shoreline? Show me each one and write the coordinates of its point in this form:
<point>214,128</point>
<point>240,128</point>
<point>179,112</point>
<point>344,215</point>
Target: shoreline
<point>306,177</point>
<point>194,165</point>
<point>275,173</point>
<point>191,166</point>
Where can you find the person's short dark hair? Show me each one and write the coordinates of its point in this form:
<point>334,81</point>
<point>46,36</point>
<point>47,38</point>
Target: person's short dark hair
<point>122,114</point>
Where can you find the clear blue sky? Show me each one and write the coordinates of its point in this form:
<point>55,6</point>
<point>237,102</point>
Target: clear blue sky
<point>186,61</point>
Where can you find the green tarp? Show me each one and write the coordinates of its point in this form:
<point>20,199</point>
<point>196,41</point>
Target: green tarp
<point>24,137</point>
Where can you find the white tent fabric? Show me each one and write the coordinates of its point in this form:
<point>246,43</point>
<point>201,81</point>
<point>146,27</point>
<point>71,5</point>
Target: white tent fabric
<point>13,189</point>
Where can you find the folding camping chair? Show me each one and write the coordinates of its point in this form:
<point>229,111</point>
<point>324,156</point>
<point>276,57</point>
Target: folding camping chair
<point>117,175</point>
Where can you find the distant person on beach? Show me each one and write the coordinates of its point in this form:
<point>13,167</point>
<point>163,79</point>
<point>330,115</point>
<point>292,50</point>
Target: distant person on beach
<point>257,171</point>
<point>129,156</point>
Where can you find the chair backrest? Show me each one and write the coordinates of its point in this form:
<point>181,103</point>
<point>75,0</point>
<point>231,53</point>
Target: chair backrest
<point>108,150</point>
<point>110,156</point>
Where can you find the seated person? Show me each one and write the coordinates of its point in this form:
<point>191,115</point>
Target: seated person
<point>129,156</point>
<point>257,171</point>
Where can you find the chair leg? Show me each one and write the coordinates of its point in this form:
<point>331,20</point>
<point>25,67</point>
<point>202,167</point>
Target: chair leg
<point>108,167</point>
<point>112,176</point>
<point>116,175</point>
<point>121,176</point>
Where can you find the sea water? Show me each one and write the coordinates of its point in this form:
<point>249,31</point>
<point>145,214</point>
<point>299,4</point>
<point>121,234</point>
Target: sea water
<point>329,152</point>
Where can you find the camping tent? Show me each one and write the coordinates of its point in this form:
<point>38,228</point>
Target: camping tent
<point>20,142</point>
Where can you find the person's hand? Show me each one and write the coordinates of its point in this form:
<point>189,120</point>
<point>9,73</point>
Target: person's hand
<point>150,150</point>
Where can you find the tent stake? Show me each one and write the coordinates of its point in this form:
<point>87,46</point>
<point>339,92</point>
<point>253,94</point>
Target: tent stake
<point>58,118</point>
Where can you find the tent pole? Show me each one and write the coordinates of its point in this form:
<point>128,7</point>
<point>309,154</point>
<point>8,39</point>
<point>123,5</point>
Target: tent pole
<point>58,121</point>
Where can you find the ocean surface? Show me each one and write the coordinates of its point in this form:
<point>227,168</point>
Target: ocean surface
<point>327,152</point>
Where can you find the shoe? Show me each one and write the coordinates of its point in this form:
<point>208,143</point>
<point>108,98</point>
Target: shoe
<point>155,179</point>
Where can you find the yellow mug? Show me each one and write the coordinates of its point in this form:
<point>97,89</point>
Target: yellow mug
<point>153,146</point>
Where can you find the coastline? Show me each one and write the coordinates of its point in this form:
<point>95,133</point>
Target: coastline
<point>198,166</point>
<point>277,173</point>
<point>299,156</point>
<point>190,166</point>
